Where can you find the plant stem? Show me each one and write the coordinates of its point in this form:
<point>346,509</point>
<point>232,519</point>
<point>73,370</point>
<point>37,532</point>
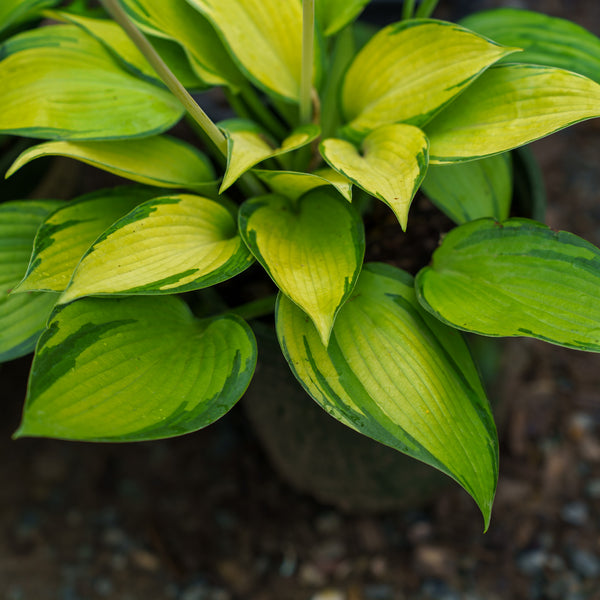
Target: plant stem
<point>408,7</point>
<point>308,41</point>
<point>114,8</point>
<point>425,9</point>
<point>257,308</point>
<point>263,114</point>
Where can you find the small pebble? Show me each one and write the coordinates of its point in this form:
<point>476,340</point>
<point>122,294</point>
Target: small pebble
<point>436,589</point>
<point>288,565</point>
<point>328,523</point>
<point>145,560</point>
<point>115,538</point>
<point>579,425</point>
<point>15,592</point>
<point>329,595</point>
<point>419,532</point>
<point>436,561</point>
<point>202,591</point>
<point>310,575</point>
<point>378,591</point>
<point>585,563</point>
<point>531,562</point>
<point>575,513</point>
<point>103,586</point>
<point>592,489</point>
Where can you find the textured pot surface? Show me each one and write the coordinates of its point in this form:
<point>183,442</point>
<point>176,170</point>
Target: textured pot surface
<point>319,456</point>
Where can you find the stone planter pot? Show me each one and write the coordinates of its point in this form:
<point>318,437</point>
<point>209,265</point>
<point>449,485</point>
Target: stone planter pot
<point>319,456</point>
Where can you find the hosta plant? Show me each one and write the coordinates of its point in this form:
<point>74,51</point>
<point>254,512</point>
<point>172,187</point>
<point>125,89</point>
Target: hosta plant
<point>124,293</point>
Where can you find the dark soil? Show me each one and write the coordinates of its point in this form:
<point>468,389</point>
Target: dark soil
<point>205,517</point>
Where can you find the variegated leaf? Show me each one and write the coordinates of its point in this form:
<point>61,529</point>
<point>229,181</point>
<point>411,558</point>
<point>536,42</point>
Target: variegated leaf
<point>391,166</point>
<point>409,71</point>
<point>60,83</point>
<point>516,278</point>
<point>131,369</point>
<point>312,248</point>
<point>508,106</point>
<point>166,245</point>
<point>111,35</point>
<point>247,146</point>
<point>176,20</point>
<point>399,376</point>
<point>160,161</point>
<point>333,15</point>
<point>293,184</point>
<point>545,40</point>
<point>66,234</point>
<point>22,317</point>
<point>471,190</point>
<point>265,39</point>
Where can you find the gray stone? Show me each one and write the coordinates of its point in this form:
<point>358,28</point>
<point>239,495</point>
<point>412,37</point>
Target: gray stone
<point>532,562</point>
<point>575,513</point>
<point>585,563</point>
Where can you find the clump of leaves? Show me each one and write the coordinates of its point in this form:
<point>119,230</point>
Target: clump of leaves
<point>101,285</point>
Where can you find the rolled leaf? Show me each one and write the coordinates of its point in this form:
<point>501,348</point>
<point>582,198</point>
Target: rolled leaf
<point>471,190</point>
<point>545,40</point>
<point>508,106</point>
<point>516,278</point>
<point>131,369</point>
<point>312,249</point>
<point>166,245</point>
<point>391,166</point>
<point>397,375</point>
<point>60,83</point>
<point>333,15</point>
<point>265,40</point>
<point>409,71</point>
<point>176,20</point>
<point>66,234</point>
<point>160,161</point>
<point>22,317</point>
<point>247,145</point>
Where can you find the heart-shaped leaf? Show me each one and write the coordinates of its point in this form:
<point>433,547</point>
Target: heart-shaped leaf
<point>312,249</point>
<point>294,184</point>
<point>391,167</point>
<point>472,190</point>
<point>130,369</point>
<point>141,160</point>
<point>516,278</point>
<point>68,232</point>
<point>168,244</point>
<point>22,317</point>
<point>508,106</point>
<point>411,70</point>
<point>60,83</point>
<point>176,20</point>
<point>399,376</point>
<point>545,40</point>
<point>265,39</point>
<point>247,145</point>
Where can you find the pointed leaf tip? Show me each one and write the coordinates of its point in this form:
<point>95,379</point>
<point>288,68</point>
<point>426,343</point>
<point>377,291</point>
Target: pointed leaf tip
<point>399,376</point>
<point>312,249</point>
<point>392,165</point>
